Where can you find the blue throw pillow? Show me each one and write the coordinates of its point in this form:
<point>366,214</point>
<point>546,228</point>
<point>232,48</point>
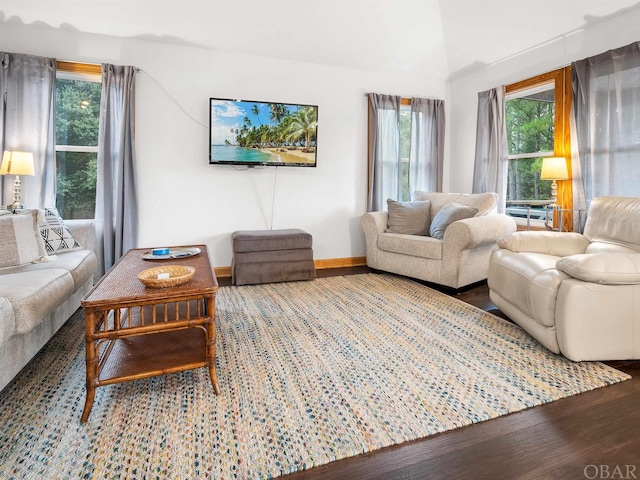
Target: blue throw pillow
<point>451,212</point>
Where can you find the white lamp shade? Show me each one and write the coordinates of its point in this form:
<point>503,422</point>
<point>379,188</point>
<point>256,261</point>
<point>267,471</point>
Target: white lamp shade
<point>17,163</point>
<point>554,168</point>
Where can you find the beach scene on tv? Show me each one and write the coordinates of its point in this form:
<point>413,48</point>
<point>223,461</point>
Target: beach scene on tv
<point>260,132</point>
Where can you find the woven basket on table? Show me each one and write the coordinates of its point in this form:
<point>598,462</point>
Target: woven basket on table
<point>178,274</point>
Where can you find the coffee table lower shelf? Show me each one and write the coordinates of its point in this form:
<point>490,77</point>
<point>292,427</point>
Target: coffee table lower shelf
<point>154,354</point>
<point>143,356</point>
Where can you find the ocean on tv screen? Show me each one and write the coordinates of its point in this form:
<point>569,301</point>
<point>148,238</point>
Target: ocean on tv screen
<point>232,153</point>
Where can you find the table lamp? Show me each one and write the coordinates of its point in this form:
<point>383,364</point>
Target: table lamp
<point>16,163</point>
<point>554,168</point>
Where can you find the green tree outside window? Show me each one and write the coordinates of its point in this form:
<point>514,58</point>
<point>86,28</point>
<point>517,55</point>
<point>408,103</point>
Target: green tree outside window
<point>77,115</point>
<point>530,130</point>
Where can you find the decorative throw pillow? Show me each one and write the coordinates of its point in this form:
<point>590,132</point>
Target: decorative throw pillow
<point>57,237</point>
<point>409,218</point>
<point>451,212</point>
<point>39,214</point>
<point>19,239</point>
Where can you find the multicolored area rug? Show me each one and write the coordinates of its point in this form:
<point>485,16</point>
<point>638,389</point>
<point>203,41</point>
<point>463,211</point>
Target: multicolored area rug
<point>311,372</point>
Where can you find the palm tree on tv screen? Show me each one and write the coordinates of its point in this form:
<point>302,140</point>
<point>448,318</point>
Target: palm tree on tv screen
<point>303,125</point>
<point>256,111</point>
<point>278,112</point>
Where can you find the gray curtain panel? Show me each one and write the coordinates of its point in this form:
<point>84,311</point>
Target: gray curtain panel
<point>606,125</point>
<point>491,163</point>
<point>116,202</point>
<point>426,160</point>
<point>27,85</point>
<point>385,180</point>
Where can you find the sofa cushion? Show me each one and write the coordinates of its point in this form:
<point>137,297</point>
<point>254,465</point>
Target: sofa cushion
<point>264,240</point>
<point>57,237</point>
<point>35,294</point>
<point>528,281</point>
<point>448,214</point>
<point>486,203</point>
<point>408,218</point>
<point>7,320</point>
<point>414,245</point>
<point>81,264</point>
<point>19,239</point>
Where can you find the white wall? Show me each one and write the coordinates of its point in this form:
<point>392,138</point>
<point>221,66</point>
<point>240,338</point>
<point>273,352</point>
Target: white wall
<point>183,200</point>
<point>593,39</point>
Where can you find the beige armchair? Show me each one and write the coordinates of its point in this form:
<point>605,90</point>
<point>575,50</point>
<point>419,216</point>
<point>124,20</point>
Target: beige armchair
<point>458,259</point>
<point>577,294</point>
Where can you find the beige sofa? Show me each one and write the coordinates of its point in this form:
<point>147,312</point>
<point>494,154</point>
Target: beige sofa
<point>459,259</point>
<point>36,299</point>
<point>577,294</point>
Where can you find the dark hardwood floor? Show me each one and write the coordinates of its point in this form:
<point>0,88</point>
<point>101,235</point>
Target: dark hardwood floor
<point>592,435</point>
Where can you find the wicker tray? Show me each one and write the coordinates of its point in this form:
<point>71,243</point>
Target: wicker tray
<point>178,274</point>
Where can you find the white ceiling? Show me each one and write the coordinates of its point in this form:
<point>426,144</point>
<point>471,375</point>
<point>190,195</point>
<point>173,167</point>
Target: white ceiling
<point>444,36</point>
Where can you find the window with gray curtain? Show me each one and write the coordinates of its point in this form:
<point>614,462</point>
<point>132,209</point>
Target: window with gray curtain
<point>116,203</point>
<point>606,125</point>
<point>26,124</point>
<point>389,175</point>
<point>490,167</point>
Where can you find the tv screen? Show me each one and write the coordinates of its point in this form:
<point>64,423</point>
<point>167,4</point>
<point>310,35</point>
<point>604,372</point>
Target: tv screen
<point>252,133</point>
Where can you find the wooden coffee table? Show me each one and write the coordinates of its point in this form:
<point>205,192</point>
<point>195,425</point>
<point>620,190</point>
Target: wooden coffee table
<point>135,332</point>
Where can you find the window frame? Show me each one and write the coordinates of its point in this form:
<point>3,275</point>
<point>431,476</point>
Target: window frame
<point>561,78</point>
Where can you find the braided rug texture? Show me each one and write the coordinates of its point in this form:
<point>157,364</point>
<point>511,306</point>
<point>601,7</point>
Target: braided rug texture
<point>310,372</point>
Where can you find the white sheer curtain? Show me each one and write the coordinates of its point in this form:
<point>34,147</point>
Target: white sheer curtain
<point>385,164</point>
<point>491,167</point>
<point>27,85</point>
<point>606,125</point>
<point>426,160</point>
<point>116,202</point>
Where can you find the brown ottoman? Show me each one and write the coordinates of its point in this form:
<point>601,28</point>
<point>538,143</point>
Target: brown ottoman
<point>267,256</point>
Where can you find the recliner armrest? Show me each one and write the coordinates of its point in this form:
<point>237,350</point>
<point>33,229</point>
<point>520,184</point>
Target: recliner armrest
<point>603,268</point>
<point>560,244</point>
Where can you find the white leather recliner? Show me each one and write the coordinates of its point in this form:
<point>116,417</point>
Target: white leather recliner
<point>577,294</point>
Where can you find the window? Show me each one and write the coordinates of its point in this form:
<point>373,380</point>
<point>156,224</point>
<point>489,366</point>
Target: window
<point>529,117</point>
<point>536,116</point>
<point>405,146</point>
<point>77,114</point>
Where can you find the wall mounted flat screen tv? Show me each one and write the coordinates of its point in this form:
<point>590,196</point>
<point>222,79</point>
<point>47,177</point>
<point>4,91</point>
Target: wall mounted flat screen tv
<point>251,133</point>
